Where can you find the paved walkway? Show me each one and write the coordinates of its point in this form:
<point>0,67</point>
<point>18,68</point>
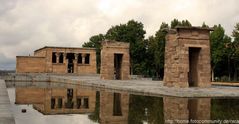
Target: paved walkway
<point>6,116</point>
<point>141,87</point>
<point>233,84</point>
<point>147,87</point>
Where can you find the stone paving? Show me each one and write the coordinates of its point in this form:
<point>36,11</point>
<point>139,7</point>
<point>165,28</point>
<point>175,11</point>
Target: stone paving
<point>6,116</point>
<point>147,87</point>
<point>140,87</point>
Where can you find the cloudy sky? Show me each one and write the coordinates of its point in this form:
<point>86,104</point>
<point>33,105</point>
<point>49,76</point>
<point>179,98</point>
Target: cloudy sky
<point>26,25</point>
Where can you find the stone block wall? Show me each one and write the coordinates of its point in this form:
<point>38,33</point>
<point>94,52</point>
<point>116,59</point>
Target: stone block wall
<point>88,68</point>
<point>59,68</point>
<point>41,62</point>
<point>32,64</point>
<point>109,49</point>
<point>185,47</point>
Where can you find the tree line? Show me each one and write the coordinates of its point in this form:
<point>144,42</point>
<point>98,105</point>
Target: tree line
<point>147,54</point>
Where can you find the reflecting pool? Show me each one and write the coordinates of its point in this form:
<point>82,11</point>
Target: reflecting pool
<point>78,105</point>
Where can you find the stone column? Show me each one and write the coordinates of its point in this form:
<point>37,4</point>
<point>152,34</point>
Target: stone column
<point>64,58</point>
<point>83,58</point>
<point>65,61</point>
<point>57,57</point>
<point>74,98</point>
<point>75,62</point>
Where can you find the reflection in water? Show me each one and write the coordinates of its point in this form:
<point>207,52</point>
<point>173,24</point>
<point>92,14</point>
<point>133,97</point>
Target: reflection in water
<point>225,109</point>
<point>185,110</point>
<point>114,108</point>
<point>107,107</point>
<point>58,100</point>
<point>145,109</point>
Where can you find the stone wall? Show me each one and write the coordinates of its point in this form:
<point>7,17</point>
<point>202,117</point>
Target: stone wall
<point>187,58</point>
<point>109,49</point>
<point>30,64</point>
<point>59,68</point>
<point>88,68</point>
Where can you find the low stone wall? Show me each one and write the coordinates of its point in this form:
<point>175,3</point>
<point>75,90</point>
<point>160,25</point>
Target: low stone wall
<point>30,64</point>
<point>26,77</point>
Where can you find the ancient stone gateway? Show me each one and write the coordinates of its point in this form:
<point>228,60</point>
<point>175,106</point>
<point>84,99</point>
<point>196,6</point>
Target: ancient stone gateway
<point>187,57</point>
<point>115,61</point>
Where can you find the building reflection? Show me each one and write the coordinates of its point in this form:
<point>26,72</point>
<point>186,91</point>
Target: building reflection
<point>185,110</point>
<point>108,107</point>
<point>58,100</point>
<point>114,107</point>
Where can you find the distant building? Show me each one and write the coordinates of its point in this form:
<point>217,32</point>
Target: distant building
<point>58,60</point>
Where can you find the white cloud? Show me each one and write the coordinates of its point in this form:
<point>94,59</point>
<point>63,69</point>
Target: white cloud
<point>26,25</point>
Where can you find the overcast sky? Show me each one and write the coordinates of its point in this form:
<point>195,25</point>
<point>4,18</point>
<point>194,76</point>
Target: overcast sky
<point>26,25</point>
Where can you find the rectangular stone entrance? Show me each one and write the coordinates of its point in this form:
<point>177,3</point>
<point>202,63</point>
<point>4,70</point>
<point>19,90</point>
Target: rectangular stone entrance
<point>70,66</point>
<point>115,61</point>
<point>187,57</point>
<point>194,53</point>
<point>118,65</point>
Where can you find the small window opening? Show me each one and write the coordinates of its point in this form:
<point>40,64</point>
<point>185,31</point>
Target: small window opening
<point>78,103</point>
<point>79,59</point>
<point>87,59</point>
<point>86,103</point>
<point>54,57</point>
<point>53,102</point>
<point>61,58</point>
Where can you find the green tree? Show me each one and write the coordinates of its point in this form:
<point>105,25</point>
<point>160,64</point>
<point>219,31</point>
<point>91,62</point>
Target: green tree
<point>204,25</point>
<point>95,42</point>
<point>235,48</point>
<point>235,33</point>
<point>218,41</point>
<point>186,23</point>
<point>156,48</point>
<point>133,32</point>
<point>176,22</point>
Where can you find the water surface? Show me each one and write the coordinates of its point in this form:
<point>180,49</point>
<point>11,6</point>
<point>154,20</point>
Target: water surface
<point>80,105</point>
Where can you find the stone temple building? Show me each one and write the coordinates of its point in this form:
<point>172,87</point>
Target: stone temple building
<point>115,61</point>
<point>187,57</point>
<point>58,60</point>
